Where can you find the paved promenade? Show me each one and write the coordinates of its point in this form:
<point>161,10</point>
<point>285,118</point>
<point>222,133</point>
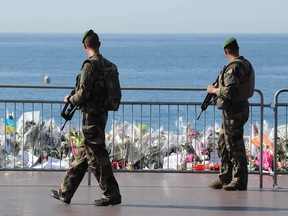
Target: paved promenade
<point>144,194</point>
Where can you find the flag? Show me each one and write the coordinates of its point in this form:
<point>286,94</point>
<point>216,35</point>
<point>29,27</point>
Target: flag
<point>10,125</point>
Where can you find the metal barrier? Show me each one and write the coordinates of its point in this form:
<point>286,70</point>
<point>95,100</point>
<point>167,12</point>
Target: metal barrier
<point>159,135</point>
<point>280,141</point>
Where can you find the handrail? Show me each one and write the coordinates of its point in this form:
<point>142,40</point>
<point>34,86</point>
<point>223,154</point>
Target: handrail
<point>276,105</point>
<point>138,102</point>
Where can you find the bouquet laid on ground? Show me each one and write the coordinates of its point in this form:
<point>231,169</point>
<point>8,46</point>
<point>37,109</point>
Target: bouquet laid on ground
<point>268,148</point>
<point>135,146</point>
<point>31,143</point>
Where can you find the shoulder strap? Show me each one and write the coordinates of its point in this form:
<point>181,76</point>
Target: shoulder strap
<point>99,58</point>
<point>97,66</point>
<point>86,61</point>
<point>238,62</point>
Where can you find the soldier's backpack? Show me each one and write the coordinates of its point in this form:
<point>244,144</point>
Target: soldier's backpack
<point>112,95</point>
<point>112,86</point>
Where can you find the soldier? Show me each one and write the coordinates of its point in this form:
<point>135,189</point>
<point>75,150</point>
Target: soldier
<point>235,85</point>
<point>92,151</point>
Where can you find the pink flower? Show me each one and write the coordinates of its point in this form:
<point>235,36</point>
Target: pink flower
<point>189,158</point>
<point>193,133</point>
<point>267,160</point>
<point>204,150</point>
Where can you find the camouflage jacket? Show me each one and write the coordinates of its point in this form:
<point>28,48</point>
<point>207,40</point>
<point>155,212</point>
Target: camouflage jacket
<point>236,81</point>
<point>89,88</point>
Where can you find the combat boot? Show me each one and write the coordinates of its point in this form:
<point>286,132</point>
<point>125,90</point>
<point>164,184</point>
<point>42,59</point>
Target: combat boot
<point>106,201</point>
<point>218,184</point>
<point>55,194</point>
<point>233,186</point>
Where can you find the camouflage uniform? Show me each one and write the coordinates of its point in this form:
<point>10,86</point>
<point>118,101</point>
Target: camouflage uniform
<point>236,85</point>
<point>92,151</point>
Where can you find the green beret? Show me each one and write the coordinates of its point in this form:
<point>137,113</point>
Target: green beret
<point>230,41</point>
<point>89,32</point>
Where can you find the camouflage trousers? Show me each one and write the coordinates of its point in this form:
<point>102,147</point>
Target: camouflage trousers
<point>231,146</point>
<point>91,153</point>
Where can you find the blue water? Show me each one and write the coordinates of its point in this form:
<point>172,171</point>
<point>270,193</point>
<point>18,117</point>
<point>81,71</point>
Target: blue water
<point>146,60</point>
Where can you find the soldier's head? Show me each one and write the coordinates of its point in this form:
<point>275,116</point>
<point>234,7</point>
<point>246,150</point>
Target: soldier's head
<point>231,47</point>
<point>90,39</point>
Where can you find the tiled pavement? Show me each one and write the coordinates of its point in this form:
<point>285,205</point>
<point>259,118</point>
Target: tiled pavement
<point>27,193</point>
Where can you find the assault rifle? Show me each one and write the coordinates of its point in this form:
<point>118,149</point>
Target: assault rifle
<point>68,110</point>
<point>210,98</point>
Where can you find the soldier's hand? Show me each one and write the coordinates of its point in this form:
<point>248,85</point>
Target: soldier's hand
<point>211,89</point>
<point>66,98</point>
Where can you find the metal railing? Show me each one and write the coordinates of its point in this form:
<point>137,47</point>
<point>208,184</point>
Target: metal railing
<point>153,133</point>
<point>280,142</point>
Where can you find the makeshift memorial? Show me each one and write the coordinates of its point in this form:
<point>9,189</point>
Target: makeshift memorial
<point>37,143</point>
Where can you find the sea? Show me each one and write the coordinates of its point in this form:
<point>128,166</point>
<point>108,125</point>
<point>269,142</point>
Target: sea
<point>143,60</point>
